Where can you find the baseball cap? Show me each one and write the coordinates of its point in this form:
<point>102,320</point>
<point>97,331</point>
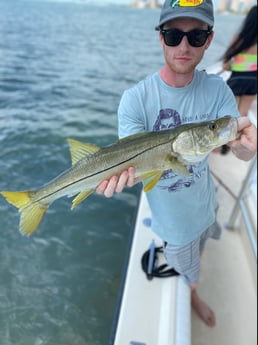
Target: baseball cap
<point>197,9</point>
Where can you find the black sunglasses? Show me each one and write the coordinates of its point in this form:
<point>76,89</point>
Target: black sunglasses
<point>196,38</point>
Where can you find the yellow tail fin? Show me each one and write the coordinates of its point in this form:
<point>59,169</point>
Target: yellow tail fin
<point>31,212</point>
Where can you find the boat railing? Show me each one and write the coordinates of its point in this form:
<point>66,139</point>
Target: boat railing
<point>243,206</point>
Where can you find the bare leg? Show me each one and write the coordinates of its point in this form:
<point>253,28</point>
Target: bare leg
<point>202,309</point>
<point>244,104</point>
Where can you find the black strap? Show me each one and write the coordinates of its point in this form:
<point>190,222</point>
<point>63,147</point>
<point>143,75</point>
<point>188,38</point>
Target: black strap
<point>150,265</point>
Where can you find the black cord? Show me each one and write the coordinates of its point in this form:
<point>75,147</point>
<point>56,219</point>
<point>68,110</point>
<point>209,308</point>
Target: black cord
<point>156,271</point>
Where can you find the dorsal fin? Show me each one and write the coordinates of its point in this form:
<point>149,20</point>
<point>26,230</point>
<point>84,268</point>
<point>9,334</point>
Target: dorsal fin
<point>80,150</point>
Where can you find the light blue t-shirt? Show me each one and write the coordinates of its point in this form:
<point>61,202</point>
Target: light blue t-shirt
<point>182,207</point>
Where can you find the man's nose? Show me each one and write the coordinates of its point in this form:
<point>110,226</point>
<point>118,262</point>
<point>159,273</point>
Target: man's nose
<point>184,42</point>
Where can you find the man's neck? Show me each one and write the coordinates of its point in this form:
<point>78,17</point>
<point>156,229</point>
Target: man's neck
<point>174,79</point>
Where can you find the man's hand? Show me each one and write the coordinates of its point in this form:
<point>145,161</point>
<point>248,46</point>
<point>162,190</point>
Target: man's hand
<point>117,184</point>
<point>245,146</point>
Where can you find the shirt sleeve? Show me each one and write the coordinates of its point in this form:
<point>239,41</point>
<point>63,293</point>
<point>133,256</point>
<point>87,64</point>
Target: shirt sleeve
<point>130,114</point>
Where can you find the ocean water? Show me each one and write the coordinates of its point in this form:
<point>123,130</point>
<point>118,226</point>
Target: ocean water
<point>63,68</point>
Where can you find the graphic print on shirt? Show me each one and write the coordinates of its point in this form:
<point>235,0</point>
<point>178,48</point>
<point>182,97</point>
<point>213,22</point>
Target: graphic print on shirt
<point>168,119</point>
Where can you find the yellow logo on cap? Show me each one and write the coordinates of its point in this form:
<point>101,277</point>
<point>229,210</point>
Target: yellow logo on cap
<point>185,3</point>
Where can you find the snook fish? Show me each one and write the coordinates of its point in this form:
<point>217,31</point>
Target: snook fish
<point>151,153</point>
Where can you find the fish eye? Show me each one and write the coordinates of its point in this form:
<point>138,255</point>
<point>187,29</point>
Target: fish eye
<point>213,126</point>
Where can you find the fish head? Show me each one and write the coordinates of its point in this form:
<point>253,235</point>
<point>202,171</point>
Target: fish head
<point>198,139</point>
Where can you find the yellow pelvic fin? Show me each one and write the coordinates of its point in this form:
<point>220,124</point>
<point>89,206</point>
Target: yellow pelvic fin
<point>80,150</point>
<point>31,212</point>
<point>153,177</point>
<point>80,197</point>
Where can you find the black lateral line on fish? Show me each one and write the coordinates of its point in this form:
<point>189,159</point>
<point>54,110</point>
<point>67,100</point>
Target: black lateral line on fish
<point>99,172</point>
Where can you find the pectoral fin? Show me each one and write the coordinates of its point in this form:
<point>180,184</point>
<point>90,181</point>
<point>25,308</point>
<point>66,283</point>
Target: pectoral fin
<point>177,166</point>
<point>153,177</point>
<point>80,197</point>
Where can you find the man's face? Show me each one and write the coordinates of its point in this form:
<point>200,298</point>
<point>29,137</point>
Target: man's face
<point>183,58</point>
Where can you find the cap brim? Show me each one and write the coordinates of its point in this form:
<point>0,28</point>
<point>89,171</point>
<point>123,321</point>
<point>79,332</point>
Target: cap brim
<point>197,16</point>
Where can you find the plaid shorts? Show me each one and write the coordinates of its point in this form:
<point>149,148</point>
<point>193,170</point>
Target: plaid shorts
<point>185,259</point>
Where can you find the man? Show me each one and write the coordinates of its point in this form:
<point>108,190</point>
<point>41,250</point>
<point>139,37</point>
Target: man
<point>183,209</point>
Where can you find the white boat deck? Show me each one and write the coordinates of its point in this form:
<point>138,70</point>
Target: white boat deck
<point>228,280</point>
